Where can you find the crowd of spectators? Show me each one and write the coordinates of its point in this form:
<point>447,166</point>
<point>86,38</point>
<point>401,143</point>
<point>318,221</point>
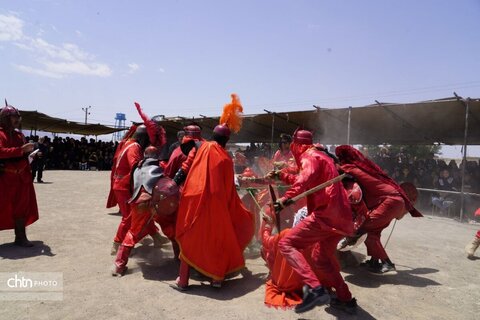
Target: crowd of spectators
<point>73,154</point>
<point>432,173</point>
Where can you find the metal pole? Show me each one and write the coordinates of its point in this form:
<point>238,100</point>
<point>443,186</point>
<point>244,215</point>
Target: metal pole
<point>348,126</point>
<point>86,112</point>
<point>462,196</point>
<point>273,127</point>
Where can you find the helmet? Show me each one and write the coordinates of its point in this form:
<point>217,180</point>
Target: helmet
<point>193,131</point>
<point>222,130</point>
<point>8,111</point>
<point>151,152</point>
<point>354,192</point>
<point>165,196</point>
<point>303,137</point>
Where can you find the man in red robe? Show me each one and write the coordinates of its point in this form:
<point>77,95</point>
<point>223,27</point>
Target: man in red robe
<point>213,226</point>
<point>18,204</point>
<point>383,200</point>
<point>329,220</point>
<point>111,201</point>
<point>143,207</point>
<point>177,169</point>
<point>128,158</point>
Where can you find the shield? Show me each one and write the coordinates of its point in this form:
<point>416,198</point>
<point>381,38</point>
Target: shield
<point>165,196</point>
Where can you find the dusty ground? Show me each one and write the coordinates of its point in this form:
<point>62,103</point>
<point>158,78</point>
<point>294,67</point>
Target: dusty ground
<point>73,236</point>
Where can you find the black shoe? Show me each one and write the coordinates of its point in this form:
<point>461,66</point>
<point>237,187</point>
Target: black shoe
<point>349,307</point>
<point>371,264</point>
<point>311,298</point>
<point>39,181</point>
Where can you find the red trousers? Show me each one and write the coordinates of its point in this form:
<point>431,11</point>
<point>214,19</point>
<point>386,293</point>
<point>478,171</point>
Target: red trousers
<point>126,222</point>
<point>142,224</point>
<point>167,224</point>
<point>307,233</point>
<point>377,220</point>
<point>478,234</point>
<point>122,198</point>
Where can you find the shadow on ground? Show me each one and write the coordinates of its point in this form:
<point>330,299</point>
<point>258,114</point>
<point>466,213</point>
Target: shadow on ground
<point>158,265</point>
<point>13,252</point>
<point>233,288</point>
<point>410,277</point>
<point>361,314</point>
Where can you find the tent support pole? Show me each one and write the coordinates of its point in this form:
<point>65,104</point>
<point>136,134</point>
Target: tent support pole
<point>464,161</point>
<point>273,127</point>
<point>349,122</point>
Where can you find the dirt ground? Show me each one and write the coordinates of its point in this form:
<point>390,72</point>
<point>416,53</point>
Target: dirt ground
<point>434,280</point>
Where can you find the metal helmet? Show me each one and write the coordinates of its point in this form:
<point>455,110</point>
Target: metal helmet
<point>222,130</point>
<point>193,131</point>
<point>165,196</point>
<point>8,111</point>
<point>303,137</point>
<point>151,152</point>
<point>354,192</point>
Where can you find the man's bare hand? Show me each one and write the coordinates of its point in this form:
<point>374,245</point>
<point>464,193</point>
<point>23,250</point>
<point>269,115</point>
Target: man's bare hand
<point>272,174</point>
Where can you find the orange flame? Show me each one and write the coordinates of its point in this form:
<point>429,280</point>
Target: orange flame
<point>232,114</point>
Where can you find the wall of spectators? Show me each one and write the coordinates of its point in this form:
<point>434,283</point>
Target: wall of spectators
<point>73,154</point>
<point>434,173</point>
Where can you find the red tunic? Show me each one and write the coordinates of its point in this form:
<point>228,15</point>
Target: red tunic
<point>213,227</point>
<point>330,205</point>
<point>280,156</point>
<point>111,200</point>
<point>128,157</point>
<point>383,204</point>
<point>175,162</point>
<point>329,219</point>
<point>17,195</point>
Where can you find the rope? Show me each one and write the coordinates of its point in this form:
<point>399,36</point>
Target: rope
<point>385,246</point>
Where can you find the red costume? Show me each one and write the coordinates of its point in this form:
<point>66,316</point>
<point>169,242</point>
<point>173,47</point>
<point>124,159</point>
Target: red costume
<point>175,162</point>
<point>167,222</point>
<point>383,199</point>
<point>17,195</point>
<point>129,156</point>
<point>213,227</point>
<point>475,243</point>
<point>142,207</point>
<point>111,200</point>
<point>283,289</point>
<point>329,219</point>
<point>283,156</point>
<point>18,204</point>
<point>178,160</point>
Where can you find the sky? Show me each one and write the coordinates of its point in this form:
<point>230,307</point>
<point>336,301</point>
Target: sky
<point>185,58</point>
